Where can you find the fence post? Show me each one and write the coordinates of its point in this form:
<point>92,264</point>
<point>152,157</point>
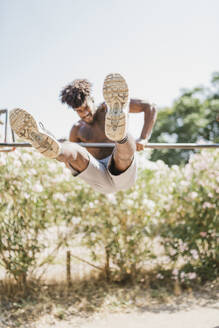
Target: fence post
<point>68,268</point>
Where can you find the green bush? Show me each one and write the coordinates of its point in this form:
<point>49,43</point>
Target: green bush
<point>176,207</point>
<point>191,219</point>
<point>26,208</point>
<point>115,228</point>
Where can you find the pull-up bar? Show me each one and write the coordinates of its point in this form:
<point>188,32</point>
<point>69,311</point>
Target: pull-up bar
<point>10,146</point>
<point>111,145</point>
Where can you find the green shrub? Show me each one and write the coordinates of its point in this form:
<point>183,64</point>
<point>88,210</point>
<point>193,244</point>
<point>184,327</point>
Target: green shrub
<point>26,208</point>
<point>176,207</point>
<point>115,228</point>
<point>191,219</point>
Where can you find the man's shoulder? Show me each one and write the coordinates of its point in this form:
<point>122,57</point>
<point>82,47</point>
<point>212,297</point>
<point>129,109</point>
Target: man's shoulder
<point>101,111</point>
<point>76,126</point>
<point>74,132</point>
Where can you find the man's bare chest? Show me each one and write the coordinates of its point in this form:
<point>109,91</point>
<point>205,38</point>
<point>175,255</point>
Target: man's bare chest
<point>92,133</point>
<point>95,133</point>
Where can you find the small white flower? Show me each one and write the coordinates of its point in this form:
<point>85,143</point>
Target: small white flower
<point>76,220</point>
<point>166,260</point>
<point>59,196</point>
<point>26,195</point>
<point>129,202</point>
<point>150,204</point>
<point>17,163</point>
<point>159,276</point>
<point>172,252</point>
<point>33,172</point>
<point>175,167</point>
<point>191,275</point>
<point>111,198</point>
<point>134,195</point>
<point>182,275</point>
<point>91,205</point>
<point>60,178</point>
<point>27,157</point>
<point>52,166</point>
<point>92,235</point>
<point>184,183</point>
<point>37,187</point>
<point>207,205</point>
<point>193,195</point>
<point>183,247</point>
<point>194,254</point>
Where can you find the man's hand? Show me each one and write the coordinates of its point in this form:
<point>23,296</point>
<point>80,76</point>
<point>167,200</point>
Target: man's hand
<point>140,143</point>
<point>150,115</point>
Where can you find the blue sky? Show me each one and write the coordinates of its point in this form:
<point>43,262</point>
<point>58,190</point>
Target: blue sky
<point>159,46</point>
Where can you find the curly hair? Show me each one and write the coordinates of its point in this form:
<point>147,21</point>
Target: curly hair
<point>75,93</point>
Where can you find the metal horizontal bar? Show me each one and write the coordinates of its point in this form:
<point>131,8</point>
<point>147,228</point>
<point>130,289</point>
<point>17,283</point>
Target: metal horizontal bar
<point>111,145</point>
<point>15,144</point>
<point>7,150</point>
<point>180,145</point>
<point>155,145</point>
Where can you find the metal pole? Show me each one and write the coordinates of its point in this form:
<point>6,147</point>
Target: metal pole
<point>111,145</point>
<point>6,125</point>
<point>5,111</point>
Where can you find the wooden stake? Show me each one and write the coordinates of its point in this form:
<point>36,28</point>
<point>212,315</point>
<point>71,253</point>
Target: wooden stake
<point>68,268</point>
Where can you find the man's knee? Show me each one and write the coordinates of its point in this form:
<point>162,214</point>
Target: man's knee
<point>120,165</point>
<point>74,154</point>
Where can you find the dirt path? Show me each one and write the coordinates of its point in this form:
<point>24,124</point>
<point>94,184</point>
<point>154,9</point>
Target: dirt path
<point>195,318</point>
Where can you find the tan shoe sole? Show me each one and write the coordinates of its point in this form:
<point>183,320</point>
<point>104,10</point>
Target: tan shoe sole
<point>115,92</point>
<point>25,126</point>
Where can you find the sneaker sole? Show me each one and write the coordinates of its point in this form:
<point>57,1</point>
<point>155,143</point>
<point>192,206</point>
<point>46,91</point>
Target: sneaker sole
<point>115,92</point>
<point>25,126</point>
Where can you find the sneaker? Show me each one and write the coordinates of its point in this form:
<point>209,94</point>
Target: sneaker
<point>115,92</point>
<point>25,126</point>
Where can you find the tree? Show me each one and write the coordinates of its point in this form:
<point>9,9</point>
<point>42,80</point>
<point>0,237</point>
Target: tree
<point>192,118</point>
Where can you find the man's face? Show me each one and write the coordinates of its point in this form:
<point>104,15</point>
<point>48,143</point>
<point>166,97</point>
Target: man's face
<point>86,111</point>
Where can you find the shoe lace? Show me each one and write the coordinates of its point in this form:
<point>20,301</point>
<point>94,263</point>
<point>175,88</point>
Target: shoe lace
<point>44,129</point>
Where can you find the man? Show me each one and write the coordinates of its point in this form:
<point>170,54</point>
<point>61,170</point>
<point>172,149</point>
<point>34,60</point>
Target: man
<point>106,170</point>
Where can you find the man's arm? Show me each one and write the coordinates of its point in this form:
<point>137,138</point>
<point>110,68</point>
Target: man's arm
<point>150,114</point>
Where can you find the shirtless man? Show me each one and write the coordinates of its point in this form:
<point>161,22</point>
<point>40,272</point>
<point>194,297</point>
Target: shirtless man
<point>106,170</point>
